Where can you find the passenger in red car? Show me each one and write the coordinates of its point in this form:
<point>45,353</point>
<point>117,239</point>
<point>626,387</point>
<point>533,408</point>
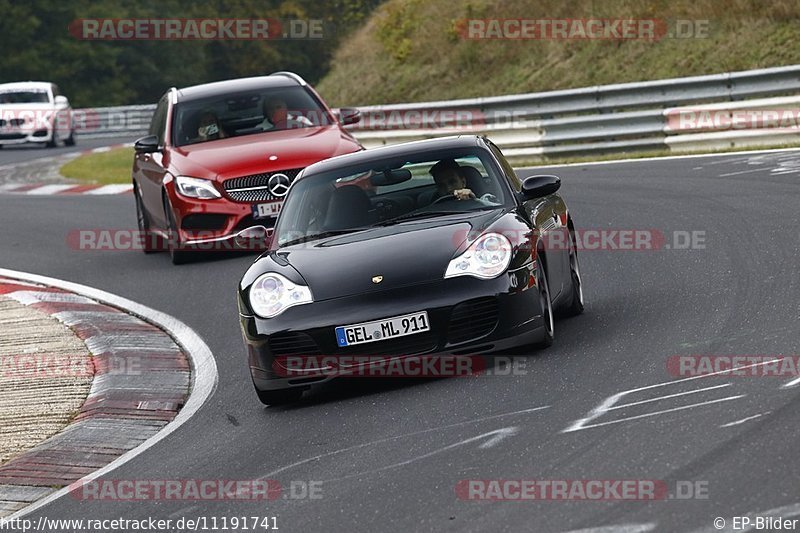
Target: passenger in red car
<point>277,116</point>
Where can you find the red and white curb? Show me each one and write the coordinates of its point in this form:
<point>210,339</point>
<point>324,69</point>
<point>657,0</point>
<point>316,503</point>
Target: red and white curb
<point>142,396</point>
<point>64,189</point>
<point>49,167</point>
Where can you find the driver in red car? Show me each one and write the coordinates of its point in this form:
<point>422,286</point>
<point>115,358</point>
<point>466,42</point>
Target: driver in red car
<point>208,128</point>
<point>450,181</point>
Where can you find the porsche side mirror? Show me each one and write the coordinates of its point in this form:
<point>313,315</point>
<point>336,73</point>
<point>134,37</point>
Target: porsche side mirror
<point>541,185</point>
<point>253,238</point>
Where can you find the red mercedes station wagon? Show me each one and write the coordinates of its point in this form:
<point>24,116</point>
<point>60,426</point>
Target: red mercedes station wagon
<point>219,158</point>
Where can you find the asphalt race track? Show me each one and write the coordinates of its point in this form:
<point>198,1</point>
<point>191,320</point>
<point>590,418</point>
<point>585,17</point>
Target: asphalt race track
<point>390,452</point>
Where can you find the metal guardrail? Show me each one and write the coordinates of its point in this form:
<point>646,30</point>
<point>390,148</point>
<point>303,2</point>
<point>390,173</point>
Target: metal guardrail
<point>758,122</point>
<point>590,120</point>
<point>113,121</point>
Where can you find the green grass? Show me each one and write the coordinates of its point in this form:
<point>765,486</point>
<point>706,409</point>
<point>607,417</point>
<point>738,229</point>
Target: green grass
<point>104,168</point>
<point>411,50</point>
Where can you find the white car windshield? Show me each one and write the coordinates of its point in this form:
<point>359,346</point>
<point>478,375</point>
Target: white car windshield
<point>24,97</point>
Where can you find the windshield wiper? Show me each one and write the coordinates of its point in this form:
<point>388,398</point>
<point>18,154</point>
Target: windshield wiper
<point>321,235</point>
<point>416,216</point>
<point>429,214</point>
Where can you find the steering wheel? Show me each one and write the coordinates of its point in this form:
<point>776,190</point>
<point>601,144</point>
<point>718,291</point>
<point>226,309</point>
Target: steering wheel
<point>387,208</point>
<point>443,198</point>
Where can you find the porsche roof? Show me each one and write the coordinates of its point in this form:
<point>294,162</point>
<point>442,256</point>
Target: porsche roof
<point>394,151</point>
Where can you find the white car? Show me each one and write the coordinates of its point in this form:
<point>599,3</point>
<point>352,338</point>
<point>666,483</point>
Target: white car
<point>35,112</point>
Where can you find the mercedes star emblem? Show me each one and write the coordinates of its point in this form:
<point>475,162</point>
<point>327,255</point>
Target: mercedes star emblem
<point>278,185</point>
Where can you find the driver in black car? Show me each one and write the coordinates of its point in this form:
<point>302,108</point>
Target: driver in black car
<point>450,181</point>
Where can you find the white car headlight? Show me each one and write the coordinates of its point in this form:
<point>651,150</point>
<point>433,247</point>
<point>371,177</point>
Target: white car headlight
<point>486,258</point>
<point>271,294</point>
<point>196,188</point>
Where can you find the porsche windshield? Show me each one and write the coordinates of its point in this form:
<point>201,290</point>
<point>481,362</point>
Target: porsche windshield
<point>390,192</point>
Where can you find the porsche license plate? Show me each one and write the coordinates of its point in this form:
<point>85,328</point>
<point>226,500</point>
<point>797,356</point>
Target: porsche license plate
<point>379,330</point>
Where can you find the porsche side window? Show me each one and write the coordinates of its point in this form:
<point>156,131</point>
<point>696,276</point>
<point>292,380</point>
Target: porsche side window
<point>508,170</point>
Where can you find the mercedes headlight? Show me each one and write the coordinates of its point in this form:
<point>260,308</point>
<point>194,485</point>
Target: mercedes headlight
<point>486,258</point>
<point>271,294</point>
<point>196,188</point>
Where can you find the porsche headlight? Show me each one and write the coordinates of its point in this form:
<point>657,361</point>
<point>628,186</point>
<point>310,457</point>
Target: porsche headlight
<point>486,258</point>
<point>271,294</point>
<point>196,188</point>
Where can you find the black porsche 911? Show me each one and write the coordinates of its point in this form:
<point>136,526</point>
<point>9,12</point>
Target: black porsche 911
<point>431,248</point>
